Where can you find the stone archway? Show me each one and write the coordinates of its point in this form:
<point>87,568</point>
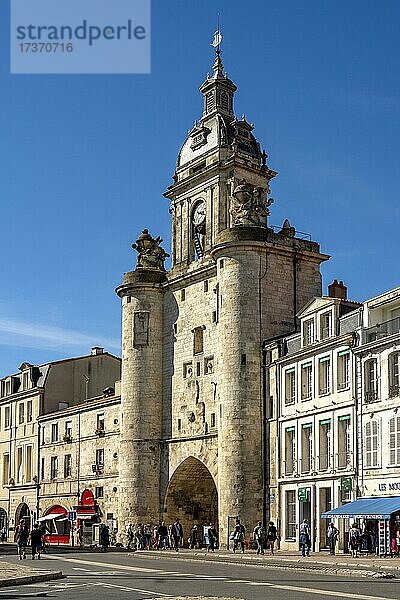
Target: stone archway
<point>191,496</point>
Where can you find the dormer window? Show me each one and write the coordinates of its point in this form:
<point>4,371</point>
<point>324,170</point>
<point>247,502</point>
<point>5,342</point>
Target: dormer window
<point>308,332</point>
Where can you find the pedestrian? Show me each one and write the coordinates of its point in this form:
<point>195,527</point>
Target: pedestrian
<point>140,537</point>
<point>354,539</point>
<point>305,538</point>
<point>147,536</point>
<point>79,535</point>
<point>332,535</point>
<point>238,536</point>
<point>36,541</point>
<point>105,538</point>
<point>177,534</point>
<point>272,536</point>
<point>163,536</point>
<point>194,538</point>
<point>130,535</point>
<point>155,537</point>
<point>21,538</point>
<point>212,538</point>
<point>3,534</point>
<point>259,537</point>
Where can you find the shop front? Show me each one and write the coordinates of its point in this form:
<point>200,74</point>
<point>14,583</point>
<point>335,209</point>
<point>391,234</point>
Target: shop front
<point>379,521</point>
<point>56,525</point>
<point>88,517</point>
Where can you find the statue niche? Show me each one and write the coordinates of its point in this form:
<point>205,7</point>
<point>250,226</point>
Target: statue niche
<point>249,204</point>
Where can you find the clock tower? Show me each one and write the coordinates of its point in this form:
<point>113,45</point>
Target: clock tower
<point>194,424</point>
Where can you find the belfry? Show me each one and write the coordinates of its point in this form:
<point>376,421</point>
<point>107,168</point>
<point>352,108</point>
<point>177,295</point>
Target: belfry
<point>194,408</point>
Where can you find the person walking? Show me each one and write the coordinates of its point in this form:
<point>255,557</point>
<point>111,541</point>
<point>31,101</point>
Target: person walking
<point>272,536</point>
<point>332,535</point>
<point>36,541</point>
<point>21,538</point>
<point>259,537</point>
<point>305,538</point>
<point>177,534</point>
<point>130,536</point>
<point>212,538</point>
<point>163,536</point>
<point>105,538</point>
<point>238,536</point>
<point>354,539</point>
<point>194,538</point>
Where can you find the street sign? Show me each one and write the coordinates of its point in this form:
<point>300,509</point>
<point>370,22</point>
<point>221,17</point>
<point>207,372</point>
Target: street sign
<point>303,494</point>
<point>72,515</point>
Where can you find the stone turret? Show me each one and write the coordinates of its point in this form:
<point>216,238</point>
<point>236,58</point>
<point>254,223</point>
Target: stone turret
<point>141,387</point>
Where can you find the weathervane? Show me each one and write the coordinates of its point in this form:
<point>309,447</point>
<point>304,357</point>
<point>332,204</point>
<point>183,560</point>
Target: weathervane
<point>216,43</point>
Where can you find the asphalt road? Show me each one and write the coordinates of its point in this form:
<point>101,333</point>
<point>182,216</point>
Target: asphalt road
<point>119,576</point>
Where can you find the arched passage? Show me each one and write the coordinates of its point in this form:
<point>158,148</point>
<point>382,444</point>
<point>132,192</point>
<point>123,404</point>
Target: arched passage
<point>191,496</point>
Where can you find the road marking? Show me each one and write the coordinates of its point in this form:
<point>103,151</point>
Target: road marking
<point>107,565</point>
<point>305,590</point>
<point>97,572</point>
<point>131,589</point>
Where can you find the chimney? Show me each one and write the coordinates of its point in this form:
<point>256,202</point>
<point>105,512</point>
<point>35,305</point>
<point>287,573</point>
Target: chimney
<point>96,350</point>
<point>337,290</point>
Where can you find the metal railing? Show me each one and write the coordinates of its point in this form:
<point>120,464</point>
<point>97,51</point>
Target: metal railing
<point>289,467</point>
<point>381,330</point>
<point>324,462</point>
<point>306,464</point>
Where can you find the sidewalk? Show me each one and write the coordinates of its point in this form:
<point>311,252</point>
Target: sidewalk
<point>11,574</point>
<point>340,564</point>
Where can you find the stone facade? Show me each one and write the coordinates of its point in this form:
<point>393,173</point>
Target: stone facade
<point>192,383</point>
<point>34,391</point>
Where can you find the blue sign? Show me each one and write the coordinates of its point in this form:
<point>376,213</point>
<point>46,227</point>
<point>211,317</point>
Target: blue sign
<point>72,515</point>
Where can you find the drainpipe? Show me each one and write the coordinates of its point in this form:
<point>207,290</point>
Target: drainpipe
<point>265,436</point>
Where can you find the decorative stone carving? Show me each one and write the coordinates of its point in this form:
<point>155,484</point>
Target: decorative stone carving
<point>151,255</point>
<point>249,205</point>
<point>287,229</point>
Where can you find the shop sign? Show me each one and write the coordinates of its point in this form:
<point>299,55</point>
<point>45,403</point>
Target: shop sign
<point>346,484</point>
<point>390,486</point>
<point>303,494</point>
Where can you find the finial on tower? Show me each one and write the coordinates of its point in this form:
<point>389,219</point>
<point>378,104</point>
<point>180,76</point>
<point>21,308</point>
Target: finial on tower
<point>218,67</point>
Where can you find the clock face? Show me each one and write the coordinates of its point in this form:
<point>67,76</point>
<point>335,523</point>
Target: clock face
<point>199,214</point>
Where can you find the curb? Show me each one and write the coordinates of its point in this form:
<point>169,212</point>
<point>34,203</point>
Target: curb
<point>49,576</point>
<point>298,565</point>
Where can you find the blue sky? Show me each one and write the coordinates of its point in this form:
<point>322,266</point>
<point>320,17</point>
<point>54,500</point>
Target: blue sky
<point>84,159</point>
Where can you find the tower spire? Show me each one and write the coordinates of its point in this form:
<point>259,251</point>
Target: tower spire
<point>218,67</point>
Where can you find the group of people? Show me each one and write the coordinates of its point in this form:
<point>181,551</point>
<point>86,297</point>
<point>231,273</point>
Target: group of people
<point>163,537</point>
<point>24,538</point>
<point>264,537</point>
<point>157,537</point>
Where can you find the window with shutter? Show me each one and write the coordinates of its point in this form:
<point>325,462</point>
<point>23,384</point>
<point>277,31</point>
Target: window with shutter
<point>394,441</point>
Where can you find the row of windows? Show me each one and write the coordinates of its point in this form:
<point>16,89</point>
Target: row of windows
<point>67,433</point>
<point>305,379</point>
<point>22,466</point>
<point>308,458</point>
<point>373,442</point>
<point>310,327</point>
<point>12,385</point>
<point>97,467</point>
<point>24,414</point>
